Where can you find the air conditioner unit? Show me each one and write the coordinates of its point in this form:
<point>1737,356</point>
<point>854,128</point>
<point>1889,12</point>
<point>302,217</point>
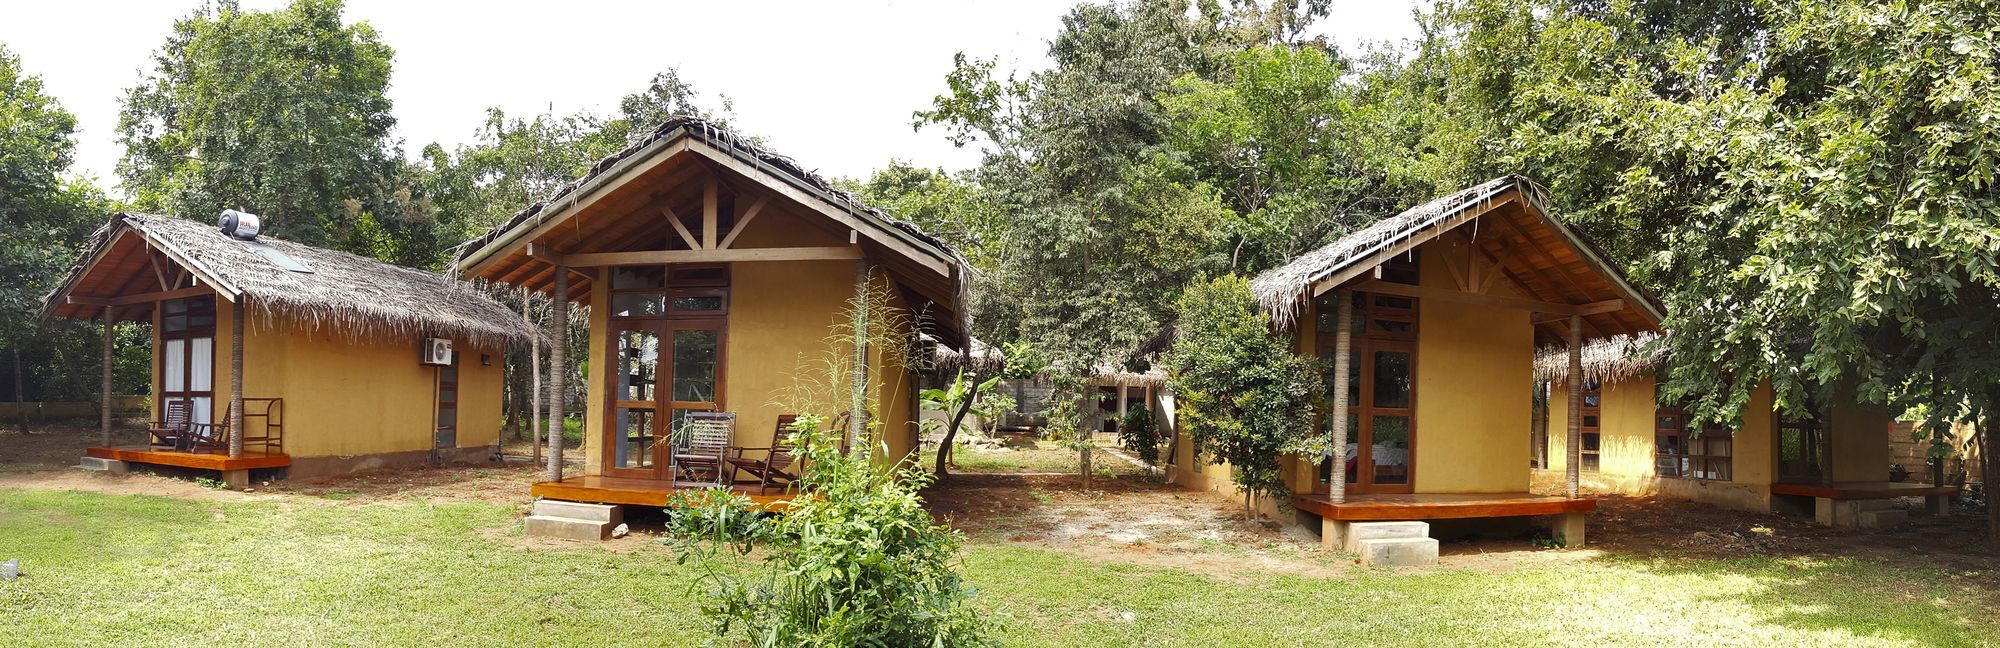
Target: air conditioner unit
<point>436,351</point>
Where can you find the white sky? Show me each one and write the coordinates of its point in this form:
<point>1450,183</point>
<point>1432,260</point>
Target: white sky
<point>829,83</point>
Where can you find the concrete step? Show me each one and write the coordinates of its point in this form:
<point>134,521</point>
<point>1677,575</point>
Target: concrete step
<point>548,526</point>
<point>579,511</point>
<point>1358,531</point>
<point>112,466</point>
<point>1882,519</point>
<point>1397,552</point>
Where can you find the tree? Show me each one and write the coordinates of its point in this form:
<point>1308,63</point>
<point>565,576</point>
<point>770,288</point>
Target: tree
<point>283,113</point>
<point>45,218</point>
<point>1243,396</point>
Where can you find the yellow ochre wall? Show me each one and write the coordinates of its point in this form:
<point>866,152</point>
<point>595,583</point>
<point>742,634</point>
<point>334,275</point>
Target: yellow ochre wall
<point>1625,435</point>
<point>1474,388</point>
<point>781,322</point>
<point>345,397</point>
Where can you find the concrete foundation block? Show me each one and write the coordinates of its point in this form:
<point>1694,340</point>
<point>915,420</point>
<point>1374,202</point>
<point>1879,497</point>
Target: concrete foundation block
<point>1569,527</point>
<point>1333,534</point>
<point>1847,513</point>
<point>1359,531</point>
<point>1397,552</point>
<point>579,511</point>
<point>112,466</point>
<point>568,529</point>
<point>1938,505</point>
<point>236,479</point>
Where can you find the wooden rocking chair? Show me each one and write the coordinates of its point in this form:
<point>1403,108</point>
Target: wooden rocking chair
<point>170,433</point>
<point>207,438</point>
<point>777,461</point>
<point>704,457</point>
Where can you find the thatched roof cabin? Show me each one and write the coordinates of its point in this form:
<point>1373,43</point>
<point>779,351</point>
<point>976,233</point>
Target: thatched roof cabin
<point>348,295</point>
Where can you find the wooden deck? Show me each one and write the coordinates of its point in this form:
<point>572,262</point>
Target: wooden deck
<point>1441,506</point>
<point>599,489</point>
<point>1863,490</point>
<point>141,454</point>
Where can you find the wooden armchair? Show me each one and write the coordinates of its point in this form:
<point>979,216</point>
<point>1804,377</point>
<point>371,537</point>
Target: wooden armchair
<point>170,432</point>
<point>704,454</point>
<point>776,464</point>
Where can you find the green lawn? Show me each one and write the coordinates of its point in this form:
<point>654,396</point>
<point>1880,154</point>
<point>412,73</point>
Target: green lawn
<point>298,570</point>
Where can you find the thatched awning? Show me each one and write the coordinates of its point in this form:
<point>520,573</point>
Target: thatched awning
<point>1605,360</point>
<point>1506,221</point>
<point>348,295</point>
<point>981,356</point>
<point>616,207</point>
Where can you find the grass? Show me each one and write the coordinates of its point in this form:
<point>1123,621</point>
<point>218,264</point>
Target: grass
<point>142,570</point>
<point>1044,456</point>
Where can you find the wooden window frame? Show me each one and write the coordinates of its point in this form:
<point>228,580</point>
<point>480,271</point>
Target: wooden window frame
<point>671,290</point>
<point>1696,460</point>
<point>1369,310</point>
<point>1590,434</point>
<point>187,335</point>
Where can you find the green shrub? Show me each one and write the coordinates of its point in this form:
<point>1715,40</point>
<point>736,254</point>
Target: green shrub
<point>858,562</point>
<point>1138,434</point>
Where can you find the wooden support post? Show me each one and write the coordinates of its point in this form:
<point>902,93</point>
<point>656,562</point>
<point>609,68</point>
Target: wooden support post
<point>1343,342</point>
<point>104,407</point>
<point>558,344</point>
<point>857,408</point>
<point>236,380</point>
<point>1573,462</point>
<point>708,215</point>
<point>1123,390</point>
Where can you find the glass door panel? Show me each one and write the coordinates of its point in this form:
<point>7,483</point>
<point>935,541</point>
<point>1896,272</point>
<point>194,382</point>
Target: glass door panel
<point>1389,449</point>
<point>664,370</point>
<point>635,403</point>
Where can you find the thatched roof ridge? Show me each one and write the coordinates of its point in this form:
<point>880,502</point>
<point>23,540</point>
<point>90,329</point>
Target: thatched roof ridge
<point>349,295</point>
<point>1610,359</point>
<point>982,357</point>
<point>1278,290</point>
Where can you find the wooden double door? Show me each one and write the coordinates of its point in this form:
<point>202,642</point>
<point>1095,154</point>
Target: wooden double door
<point>661,371</point>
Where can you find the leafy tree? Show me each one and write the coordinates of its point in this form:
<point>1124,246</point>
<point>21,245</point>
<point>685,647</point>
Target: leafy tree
<point>952,207</point>
<point>45,218</point>
<point>281,113</point>
<point>1139,434</point>
<point>1242,395</point>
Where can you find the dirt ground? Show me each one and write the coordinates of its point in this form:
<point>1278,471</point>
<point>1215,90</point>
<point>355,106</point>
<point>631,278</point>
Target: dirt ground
<point>1129,519</point>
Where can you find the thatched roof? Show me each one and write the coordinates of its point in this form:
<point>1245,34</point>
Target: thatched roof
<point>1611,359</point>
<point>982,356</point>
<point>349,295</point>
<point>1277,290</point>
<point>1154,377</point>
<point>495,245</point>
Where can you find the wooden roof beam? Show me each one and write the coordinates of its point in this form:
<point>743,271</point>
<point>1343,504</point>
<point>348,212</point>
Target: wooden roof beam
<point>1491,301</point>
<point>664,257</point>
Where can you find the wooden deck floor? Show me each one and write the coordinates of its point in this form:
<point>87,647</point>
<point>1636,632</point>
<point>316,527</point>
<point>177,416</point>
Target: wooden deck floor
<point>141,454</point>
<point>1863,490</point>
<point>1440,506</point>
<point>600,489</point>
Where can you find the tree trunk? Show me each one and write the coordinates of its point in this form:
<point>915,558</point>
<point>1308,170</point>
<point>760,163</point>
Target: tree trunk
<point>20,400</point>
<point>1573,465</point>
<point>1989,466</point>
<point>559,319</point>
<point>105,407</point>
<point>951,431</point>
<point>1343,345</point>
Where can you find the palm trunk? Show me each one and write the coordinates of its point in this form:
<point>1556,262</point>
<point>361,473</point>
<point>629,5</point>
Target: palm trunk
<point>236,377</point>
<point>20,400</point>
<point>534,379</point>
<point>560,321</point>
<point>1343,344</point>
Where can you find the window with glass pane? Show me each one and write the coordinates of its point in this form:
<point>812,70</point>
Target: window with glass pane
<point>1391,451</point>
<point>635,437</point>
<point>683,303</point>
<point>638,304</point>
<point>1392,379</point>
<point>694,366</point>
<point>639,365</point>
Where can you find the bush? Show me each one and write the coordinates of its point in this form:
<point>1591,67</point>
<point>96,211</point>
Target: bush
<point>1138,434</point>
<point>857,562</point>
<point>1242,395</point>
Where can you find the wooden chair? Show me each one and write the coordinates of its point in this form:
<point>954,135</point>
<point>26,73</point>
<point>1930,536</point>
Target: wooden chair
<point>208,438</point>
<point>777,461</point>
<point>170,433</point>
<point>703,454</point>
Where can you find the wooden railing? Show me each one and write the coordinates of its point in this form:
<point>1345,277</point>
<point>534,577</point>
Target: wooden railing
<point>271,418</point>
